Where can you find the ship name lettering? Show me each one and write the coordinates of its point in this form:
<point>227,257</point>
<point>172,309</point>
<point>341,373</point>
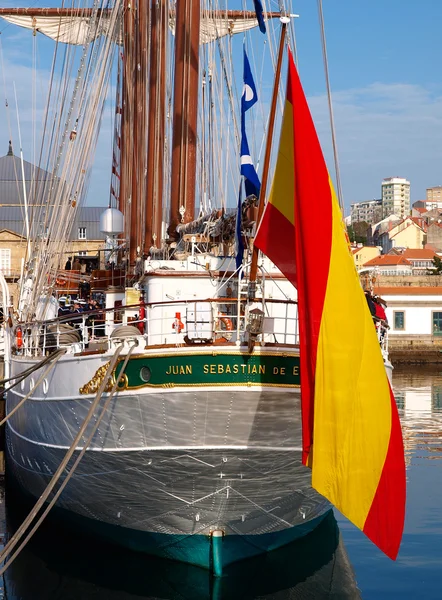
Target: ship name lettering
<point>296,370</point>
<point>219,369</point>
<point>278,370</point>
<point>179,370</point>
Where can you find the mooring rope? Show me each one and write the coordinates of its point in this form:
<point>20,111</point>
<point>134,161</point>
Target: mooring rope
<point>44,496</point>
<point>18,378</point>
<point>56,357</point>
<point>74,466</point>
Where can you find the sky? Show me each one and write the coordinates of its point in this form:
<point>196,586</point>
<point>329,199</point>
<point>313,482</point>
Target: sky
<point>386,79</point>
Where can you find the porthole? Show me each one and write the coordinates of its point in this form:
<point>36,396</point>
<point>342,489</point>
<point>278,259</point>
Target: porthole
<point>45,386</point>
<point>31,384</point>
<point>22,385</point>
<point>145,374</point>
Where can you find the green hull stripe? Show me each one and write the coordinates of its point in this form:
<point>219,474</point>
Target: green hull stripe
<point>210,369</point>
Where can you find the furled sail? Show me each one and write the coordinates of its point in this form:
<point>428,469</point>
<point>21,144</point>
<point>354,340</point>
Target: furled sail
<point>69,30</point>
<point>80,30</point>
<point>213,28</point>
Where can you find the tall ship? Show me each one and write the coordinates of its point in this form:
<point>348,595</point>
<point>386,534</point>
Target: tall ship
<point>175,404</point>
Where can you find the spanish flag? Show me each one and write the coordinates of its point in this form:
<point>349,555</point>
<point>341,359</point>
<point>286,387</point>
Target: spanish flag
<point>352,437</point>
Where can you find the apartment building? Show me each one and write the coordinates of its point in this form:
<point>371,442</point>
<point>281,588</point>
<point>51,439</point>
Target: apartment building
<point>395,196</point>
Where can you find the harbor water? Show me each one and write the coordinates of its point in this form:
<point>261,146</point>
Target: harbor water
<point>335,561</point>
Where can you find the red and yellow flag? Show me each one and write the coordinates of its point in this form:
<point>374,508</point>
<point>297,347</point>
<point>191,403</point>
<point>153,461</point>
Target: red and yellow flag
<point>351,431</point>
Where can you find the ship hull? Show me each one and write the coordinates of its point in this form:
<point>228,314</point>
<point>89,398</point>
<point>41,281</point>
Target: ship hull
<point>169,467</point>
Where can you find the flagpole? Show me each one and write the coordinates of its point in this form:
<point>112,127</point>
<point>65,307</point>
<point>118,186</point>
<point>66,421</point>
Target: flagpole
<point>265,172</point>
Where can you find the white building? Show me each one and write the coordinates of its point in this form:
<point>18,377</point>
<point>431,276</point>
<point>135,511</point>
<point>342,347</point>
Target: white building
<point>396,196</point>
<point>413,312</point>
<point>370,211</point>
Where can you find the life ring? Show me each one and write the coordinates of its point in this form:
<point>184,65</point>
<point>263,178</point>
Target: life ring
<point>61,281</point>
<point>227,330</point>
<point>19,337</point>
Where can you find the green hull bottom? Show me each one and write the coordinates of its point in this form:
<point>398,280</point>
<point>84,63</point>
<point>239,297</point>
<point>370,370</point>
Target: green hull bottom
<point>209,552</point>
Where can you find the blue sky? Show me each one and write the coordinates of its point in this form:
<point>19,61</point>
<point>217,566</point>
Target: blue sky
<point>384,60</point>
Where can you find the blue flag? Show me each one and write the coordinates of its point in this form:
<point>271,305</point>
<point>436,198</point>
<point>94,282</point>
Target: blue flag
<point>259,15</point>
<point>248,99</point>
<point>252,183</point>
<point>239,246</point>
<point>249,96</point>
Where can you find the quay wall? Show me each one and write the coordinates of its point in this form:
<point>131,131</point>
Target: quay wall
<point>415,349</point>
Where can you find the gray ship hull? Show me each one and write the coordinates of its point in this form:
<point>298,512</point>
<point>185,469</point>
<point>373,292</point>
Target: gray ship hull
<point>167,467</point>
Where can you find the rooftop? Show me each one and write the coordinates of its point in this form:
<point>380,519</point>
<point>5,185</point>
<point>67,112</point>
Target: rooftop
<point>408,291</point>
<point>387,260</point>
<point>419,253</point>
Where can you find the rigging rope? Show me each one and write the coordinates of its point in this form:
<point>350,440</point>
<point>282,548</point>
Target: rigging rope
<point>16,537</point>
<point>330,107</point>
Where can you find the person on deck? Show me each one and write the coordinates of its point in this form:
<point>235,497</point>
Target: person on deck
<point>76,266</point>
<point>380,311</point>
<point>371,304</point>
<point>68,265</point>
<point>63,310</point>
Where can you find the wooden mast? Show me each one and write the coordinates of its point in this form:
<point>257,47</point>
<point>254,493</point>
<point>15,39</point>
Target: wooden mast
<point>183,177</point>
<point>266,165</point>
<point>128,116</point>
<point>122,204</point>
<point>136,143</point>
<point>156,126</point>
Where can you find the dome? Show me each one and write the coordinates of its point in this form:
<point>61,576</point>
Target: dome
<point>112,221</point>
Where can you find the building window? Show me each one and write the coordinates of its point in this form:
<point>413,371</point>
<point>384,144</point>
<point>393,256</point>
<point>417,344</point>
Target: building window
<point>400,399</point>
<point>5,261</point>
<point>436,400</point>
<point>399,319</point>
<point>82,253</point>
<point>437,323</point>
<point>82,233</point>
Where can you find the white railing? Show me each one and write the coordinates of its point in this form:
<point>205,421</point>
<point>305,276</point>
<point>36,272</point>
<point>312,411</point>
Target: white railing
<point>92,330</point>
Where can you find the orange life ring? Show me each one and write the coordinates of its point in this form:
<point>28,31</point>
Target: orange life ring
<point>61,281</point>
<point>19,337</point>
<point>228,327</point>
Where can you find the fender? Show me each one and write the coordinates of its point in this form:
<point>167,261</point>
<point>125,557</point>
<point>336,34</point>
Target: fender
<point>19,337</point>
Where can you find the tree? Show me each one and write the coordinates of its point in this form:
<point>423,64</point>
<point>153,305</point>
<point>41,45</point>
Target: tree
<point>437,262</point>
<point>358,232</point>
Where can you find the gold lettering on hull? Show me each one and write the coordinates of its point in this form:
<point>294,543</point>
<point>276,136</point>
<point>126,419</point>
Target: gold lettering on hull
<point>179,370</point>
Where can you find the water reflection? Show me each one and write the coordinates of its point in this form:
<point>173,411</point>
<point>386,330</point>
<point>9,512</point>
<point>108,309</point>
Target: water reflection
<point>416,573</point>
<point>418,393</point>
<point>57,566</point>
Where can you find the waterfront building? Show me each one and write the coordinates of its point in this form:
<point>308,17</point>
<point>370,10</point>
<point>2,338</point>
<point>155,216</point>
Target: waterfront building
<point>395,196</point>
<point>390,264</point>
<point>86,240</point>
<point>414,314</point>
<point>421,260</point>
<point>369,211</point>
